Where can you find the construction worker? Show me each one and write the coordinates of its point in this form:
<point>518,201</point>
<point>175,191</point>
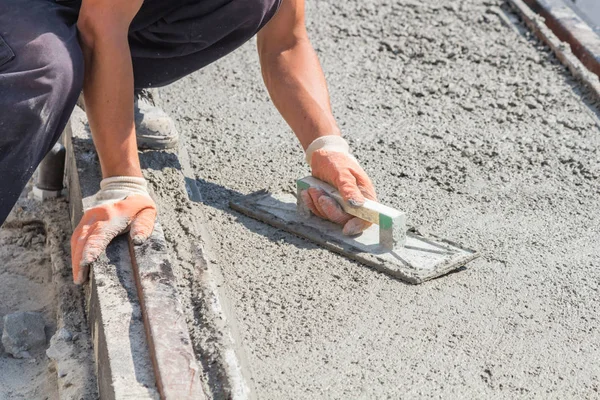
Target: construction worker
<point>52,49</point>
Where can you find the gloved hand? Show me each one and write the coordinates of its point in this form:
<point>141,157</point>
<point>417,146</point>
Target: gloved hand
<point>122,203</point>
<point>330,160</point>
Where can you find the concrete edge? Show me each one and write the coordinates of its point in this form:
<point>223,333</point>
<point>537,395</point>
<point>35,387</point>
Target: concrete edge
<point>561,49</point>
<point>169,351</point>
<point>123,364</point>
<point>570,28</point>
<point>80,382</point>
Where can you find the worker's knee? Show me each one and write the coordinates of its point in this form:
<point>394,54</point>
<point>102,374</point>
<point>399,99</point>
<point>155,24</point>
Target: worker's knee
<point>56,68</point>
<point>42,83</point>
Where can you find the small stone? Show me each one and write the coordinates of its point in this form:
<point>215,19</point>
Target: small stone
<point>452,89</point>
<point>468,106</point>
<point>549,120</point>
<point>468,152</point>
<point>23,331</point>
<point>64,334</point>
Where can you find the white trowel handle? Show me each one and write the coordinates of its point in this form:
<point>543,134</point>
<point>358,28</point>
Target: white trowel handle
<point>392,223</point>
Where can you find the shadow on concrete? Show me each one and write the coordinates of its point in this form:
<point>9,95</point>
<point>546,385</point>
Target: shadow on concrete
<point>216,196</point>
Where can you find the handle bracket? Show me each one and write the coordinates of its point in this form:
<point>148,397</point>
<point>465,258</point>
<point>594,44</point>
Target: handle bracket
<point>392,223</point>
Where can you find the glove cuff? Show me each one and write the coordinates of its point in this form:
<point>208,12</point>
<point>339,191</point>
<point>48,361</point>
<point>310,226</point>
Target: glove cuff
<point>330,143</point>
<point>118,188</point>
<point>132,182</point>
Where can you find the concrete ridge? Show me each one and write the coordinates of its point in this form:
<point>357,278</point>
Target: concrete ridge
<point>561,49</point>
<point>570,28</point>
<point>232,366</point>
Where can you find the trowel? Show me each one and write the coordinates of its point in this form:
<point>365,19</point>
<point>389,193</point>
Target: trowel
<point>388,245</point>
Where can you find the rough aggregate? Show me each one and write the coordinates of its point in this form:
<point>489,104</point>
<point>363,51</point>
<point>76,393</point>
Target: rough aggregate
<point>474,129</point>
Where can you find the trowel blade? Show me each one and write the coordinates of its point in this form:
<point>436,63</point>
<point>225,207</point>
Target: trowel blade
<point>421,259</point>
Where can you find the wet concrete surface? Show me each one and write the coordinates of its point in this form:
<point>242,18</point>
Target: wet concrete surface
<point>482,137</point>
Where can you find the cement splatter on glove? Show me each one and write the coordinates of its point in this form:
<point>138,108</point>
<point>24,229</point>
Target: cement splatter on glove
<point>330,160</point>
<point>122,204</point>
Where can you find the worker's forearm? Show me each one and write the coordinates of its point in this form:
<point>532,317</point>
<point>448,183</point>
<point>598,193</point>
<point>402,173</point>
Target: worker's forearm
<point>297,87</point>
<point>108,92</point>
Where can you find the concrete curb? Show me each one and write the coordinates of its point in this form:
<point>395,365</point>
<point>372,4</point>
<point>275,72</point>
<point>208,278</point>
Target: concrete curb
<point>561,49</point>
<point>123,365</point>
<point>570,28</point>
<point>141,342</point>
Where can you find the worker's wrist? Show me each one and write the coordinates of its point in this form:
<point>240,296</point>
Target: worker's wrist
<point>333,143</point>
<point>118,188</point>
<point>129,166</point>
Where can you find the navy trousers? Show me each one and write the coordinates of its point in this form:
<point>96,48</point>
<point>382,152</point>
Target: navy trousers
<point>41,65</point>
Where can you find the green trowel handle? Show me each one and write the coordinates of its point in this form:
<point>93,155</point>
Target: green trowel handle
<point>392,223</point>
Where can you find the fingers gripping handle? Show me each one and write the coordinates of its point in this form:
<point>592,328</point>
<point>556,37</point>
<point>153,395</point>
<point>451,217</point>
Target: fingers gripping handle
<point>392,223</point>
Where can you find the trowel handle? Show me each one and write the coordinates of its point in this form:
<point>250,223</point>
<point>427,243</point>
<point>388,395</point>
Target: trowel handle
<point>392,223</point>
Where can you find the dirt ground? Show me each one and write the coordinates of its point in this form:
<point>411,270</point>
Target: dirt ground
<point>477,132</point>
<point>35,276</point>
<point>26,285</point>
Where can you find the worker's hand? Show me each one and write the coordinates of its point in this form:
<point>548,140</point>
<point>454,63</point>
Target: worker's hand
<point>330,160</point>
<point>121,204</point>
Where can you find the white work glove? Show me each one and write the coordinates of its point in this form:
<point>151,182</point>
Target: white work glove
<point>330,161</point>
<point>122,203</point>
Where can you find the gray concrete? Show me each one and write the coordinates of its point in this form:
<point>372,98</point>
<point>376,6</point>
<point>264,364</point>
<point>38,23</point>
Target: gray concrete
<point>482,137</point>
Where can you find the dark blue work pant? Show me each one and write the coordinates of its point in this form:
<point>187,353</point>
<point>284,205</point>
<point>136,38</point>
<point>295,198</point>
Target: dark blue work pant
<point>41,65</point>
